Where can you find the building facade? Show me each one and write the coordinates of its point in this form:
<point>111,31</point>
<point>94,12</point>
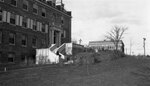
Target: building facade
<point>26,25</point>
<point>106,45</point>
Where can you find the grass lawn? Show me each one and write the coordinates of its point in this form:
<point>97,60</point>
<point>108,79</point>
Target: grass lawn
<point>126,71</point>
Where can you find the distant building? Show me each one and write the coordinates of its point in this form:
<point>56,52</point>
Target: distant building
<point>106,45</point>
<point>26,25</point>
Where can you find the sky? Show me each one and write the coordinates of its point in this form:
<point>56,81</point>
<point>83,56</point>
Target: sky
<point>92,19</point>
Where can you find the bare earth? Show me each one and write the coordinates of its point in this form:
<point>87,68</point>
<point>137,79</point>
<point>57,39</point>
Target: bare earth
<point>126,71</point>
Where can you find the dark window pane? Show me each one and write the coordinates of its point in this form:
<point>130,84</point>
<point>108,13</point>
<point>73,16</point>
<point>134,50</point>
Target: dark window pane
<point>24,22</point>
<point>12,18</point>
<point>34,25</point>
<point>34,10</point>
<point>25,4</point>
<point>43,14</point>
<point>24,40</point>
<point>12,21</point>
<point>25,7</point>
<point>34,42</point>
<point>43,27</point>
<point>11,57</point>
<point>14,2</point>
<point>11,38</point>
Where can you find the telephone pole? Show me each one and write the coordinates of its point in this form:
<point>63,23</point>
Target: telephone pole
<point>144,45</point>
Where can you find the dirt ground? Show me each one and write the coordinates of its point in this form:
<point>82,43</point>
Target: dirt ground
<point>128,71</point>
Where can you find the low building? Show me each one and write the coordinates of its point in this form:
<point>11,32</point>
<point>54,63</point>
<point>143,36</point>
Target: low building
<point>106,45</point>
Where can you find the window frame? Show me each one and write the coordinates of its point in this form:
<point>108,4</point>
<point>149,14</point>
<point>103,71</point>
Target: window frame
<point>43,29</point>
<point>11,57</point>
<point>24,40</point>
<point>35,6</point>
<point>25,3</point>
<point>13,38</point>
<point>63,34</point>
<point>43,11</point>
<point>13,3</point>
<point>13,16</point>
<point>23,22</point>
<point>34,42</point>
<point>34,25</point>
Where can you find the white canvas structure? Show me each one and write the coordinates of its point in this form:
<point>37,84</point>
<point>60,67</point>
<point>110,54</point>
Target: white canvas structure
<point>46,56</point>
<point>69,48</point>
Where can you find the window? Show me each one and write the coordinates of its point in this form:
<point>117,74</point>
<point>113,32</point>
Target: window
<point>24,22</point>
<point>11,57</point>
<point>25,4</point>
<point>0,37</point>
<point>24,40</point>
<point>62,20</point>
<point>34,25</point>
<point>14,2</point>
<point>43,27</point>
<point>63,34</point>
<point>11,38</point>
<point>12,18</point>
<point>42,42</point>
<point>34,42</point>
<point>35,9</point>
<point>1,14</point>
<point>43,12</point>
<point>54,18</point>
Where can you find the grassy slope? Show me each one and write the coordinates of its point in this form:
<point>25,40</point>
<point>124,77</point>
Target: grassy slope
<point>121,72</point>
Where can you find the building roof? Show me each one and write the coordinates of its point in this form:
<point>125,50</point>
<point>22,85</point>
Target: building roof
<point>103,42</point>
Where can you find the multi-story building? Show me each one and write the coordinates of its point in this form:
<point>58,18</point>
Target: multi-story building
<point>106,45</point>
<point>26,25</point>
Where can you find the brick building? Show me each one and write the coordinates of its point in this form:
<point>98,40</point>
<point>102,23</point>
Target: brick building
<point>106,45</point>
<point>26,25</point>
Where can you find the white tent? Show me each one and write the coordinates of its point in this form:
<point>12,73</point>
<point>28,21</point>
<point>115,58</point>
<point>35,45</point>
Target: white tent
<point>46,56</point>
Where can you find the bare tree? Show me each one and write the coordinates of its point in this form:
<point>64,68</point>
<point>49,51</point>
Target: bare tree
<point>116,34</point>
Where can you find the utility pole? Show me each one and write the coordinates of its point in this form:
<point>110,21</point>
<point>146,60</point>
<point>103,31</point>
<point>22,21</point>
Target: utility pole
<point>144,45</point>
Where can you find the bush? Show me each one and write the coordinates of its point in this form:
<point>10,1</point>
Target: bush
<point>117,55</point>
<point>83,58</point>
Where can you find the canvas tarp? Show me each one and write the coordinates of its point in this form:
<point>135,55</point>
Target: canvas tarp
<point>45,56</point>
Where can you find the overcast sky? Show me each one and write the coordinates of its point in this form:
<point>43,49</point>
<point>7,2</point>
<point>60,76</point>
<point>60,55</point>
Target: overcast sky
<point>92,19</point>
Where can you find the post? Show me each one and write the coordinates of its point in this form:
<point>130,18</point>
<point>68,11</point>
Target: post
<point>144,45</point>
